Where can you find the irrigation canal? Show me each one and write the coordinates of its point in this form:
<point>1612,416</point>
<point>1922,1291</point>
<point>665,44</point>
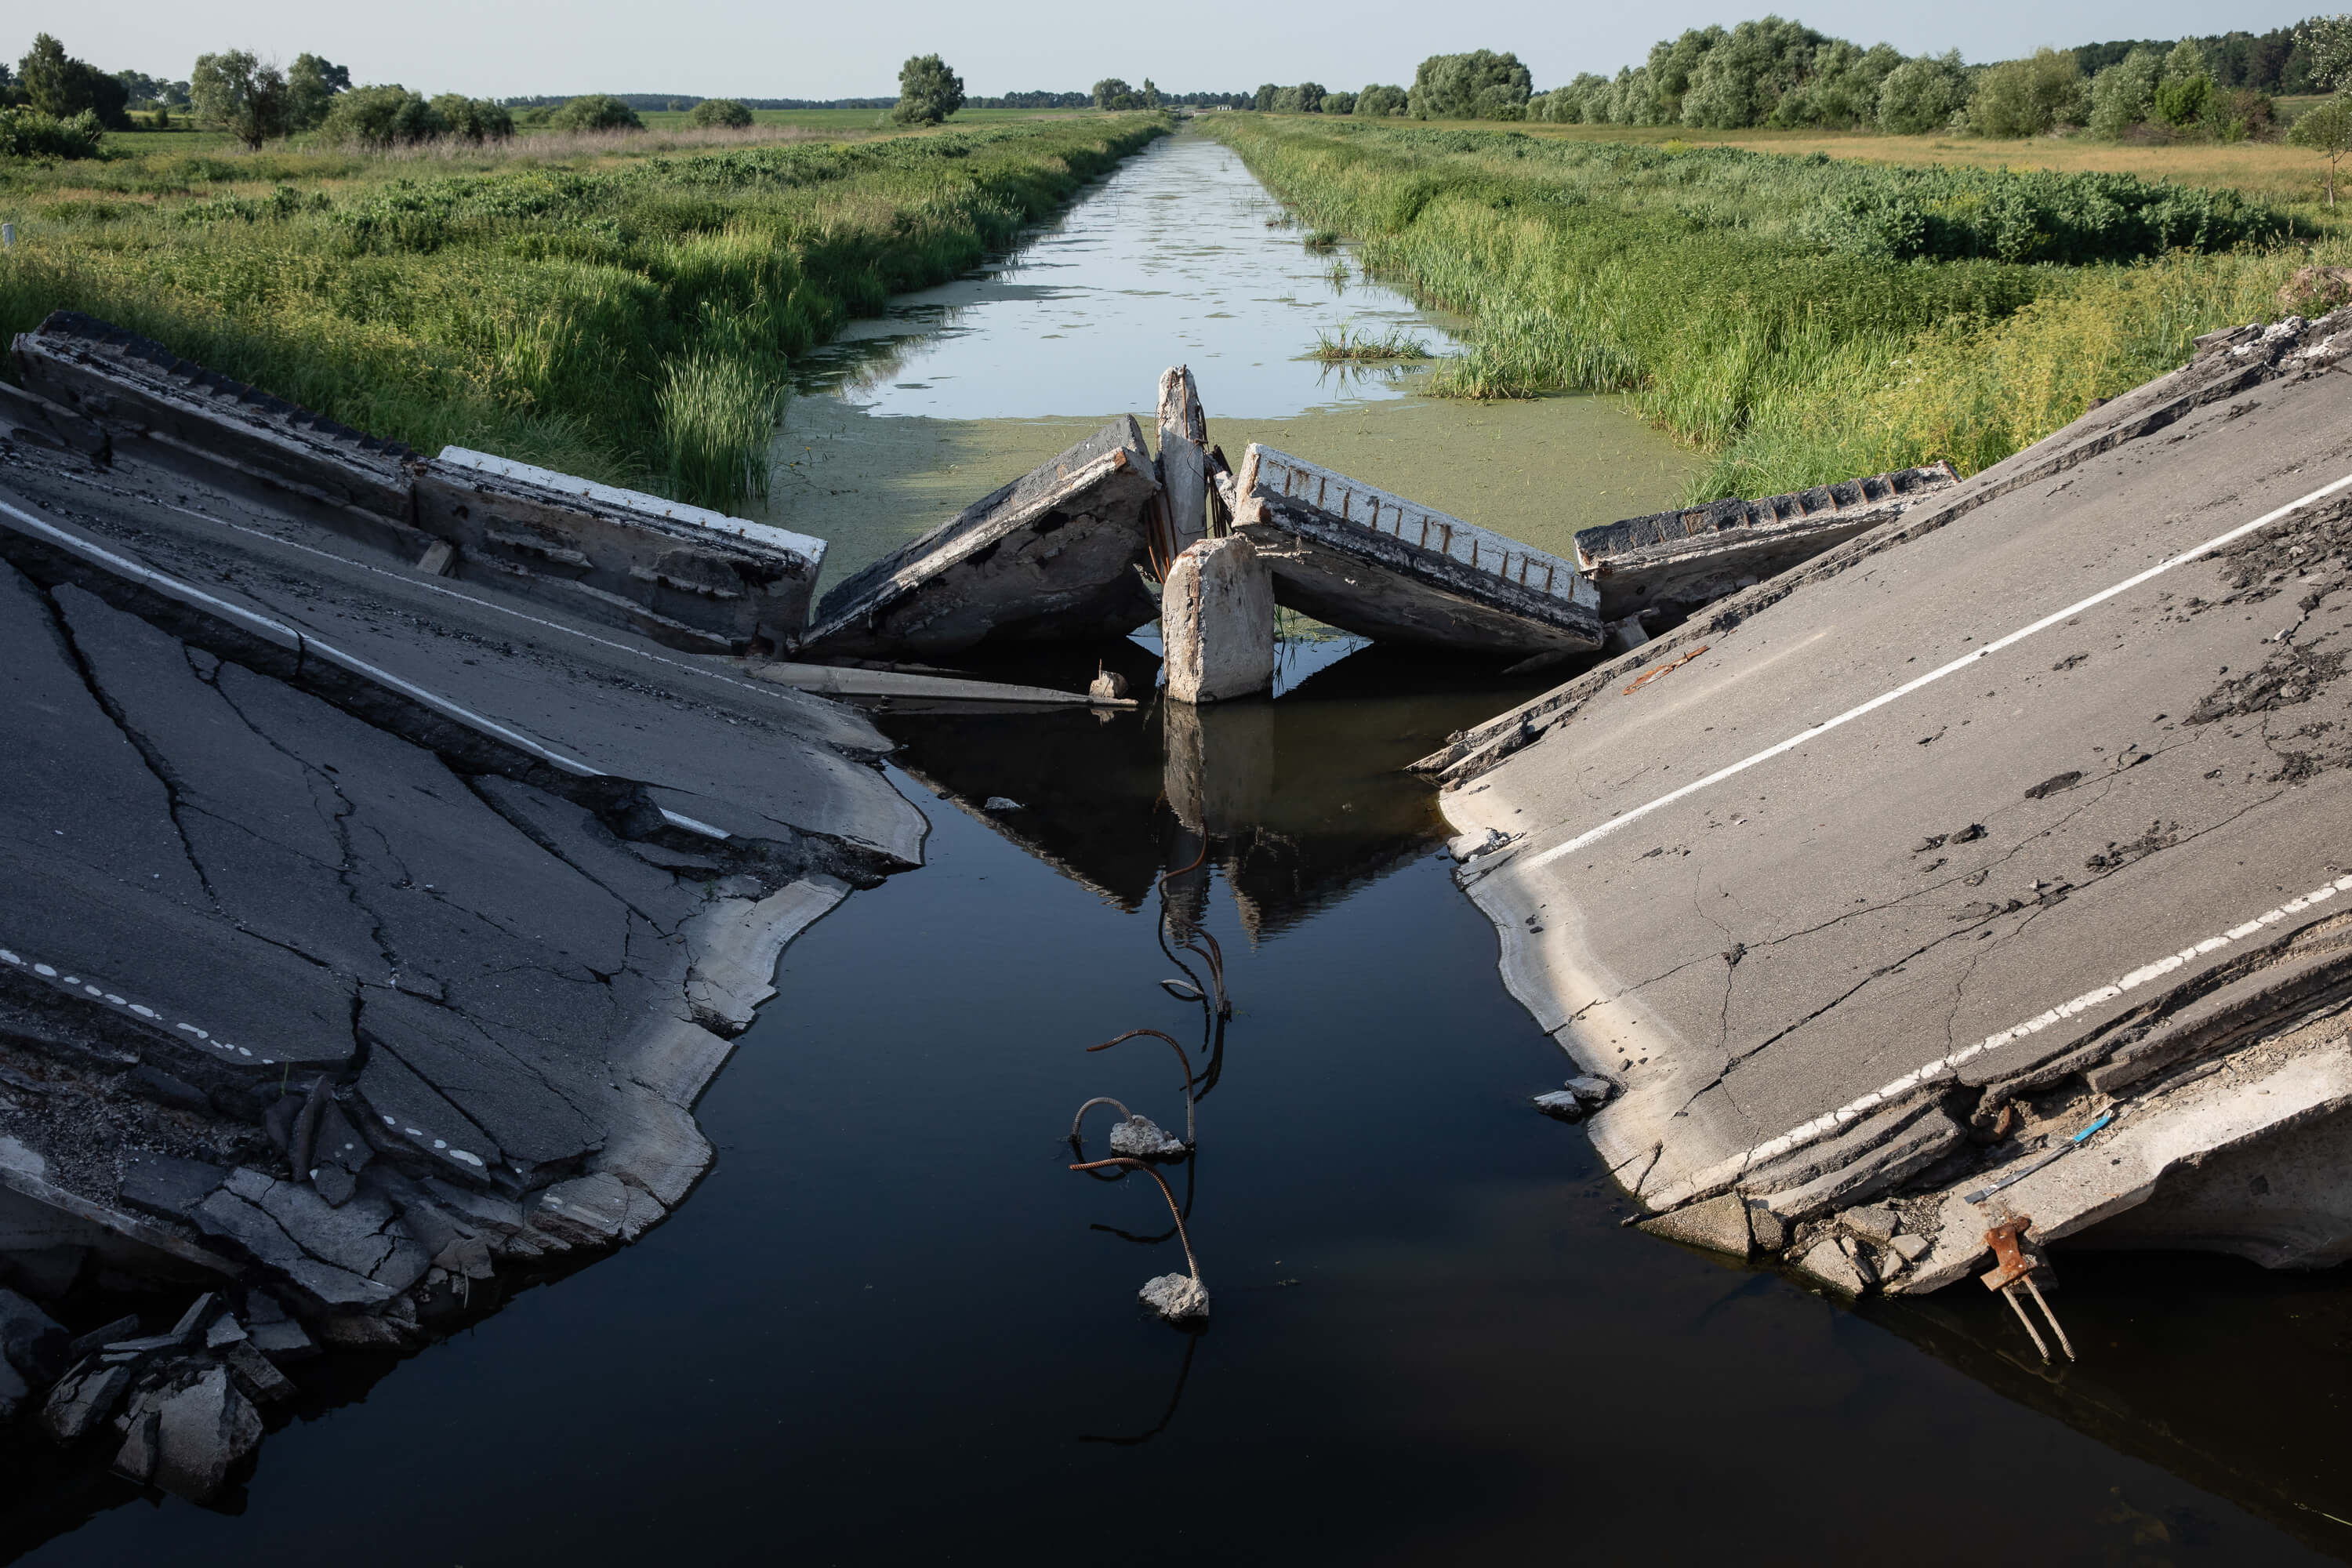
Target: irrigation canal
<point>892,1326</point>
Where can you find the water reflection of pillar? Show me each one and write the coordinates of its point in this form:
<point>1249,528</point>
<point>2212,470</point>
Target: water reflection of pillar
<point>1219,778</point>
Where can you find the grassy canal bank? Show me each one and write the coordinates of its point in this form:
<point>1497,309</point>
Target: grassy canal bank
<point>616,313</point>
<point>1798,319</point>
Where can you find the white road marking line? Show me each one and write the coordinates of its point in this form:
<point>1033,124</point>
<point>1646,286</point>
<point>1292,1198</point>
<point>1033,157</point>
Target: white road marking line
<point>1594,835</point>
<point>1726,1171</point>
<point>303,643</point>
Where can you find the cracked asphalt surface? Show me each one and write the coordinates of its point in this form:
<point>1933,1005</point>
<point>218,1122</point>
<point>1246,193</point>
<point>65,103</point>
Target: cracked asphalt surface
<point>2158,768</point>
<point>231,877</point>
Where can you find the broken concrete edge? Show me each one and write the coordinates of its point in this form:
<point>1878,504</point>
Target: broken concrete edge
<point>657,507</point>
<point>1680,560</point>
<point>1267,473</point>
<point>679,575</point>
<point>28,417</point>
<point>844,681</point>
<point>851,611</point>
<point>2247,1040</point>
<point>1681,530</point>
<point>2235,363</point>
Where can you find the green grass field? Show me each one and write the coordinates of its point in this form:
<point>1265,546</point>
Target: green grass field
<point>1798,318</point>
<point>617,306</point>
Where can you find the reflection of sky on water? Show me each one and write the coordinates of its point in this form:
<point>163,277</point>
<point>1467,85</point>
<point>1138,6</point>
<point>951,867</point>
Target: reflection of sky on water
<point>1169,261</point>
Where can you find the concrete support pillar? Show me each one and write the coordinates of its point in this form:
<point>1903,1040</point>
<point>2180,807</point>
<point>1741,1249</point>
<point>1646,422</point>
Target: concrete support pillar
<point>1216,616</point>
<point>1183,456</point>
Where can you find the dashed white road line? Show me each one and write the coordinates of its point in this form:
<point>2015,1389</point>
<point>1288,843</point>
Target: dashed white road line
<point>1594,835</point>
<point>1723,1172</point>
<point>74,982</point>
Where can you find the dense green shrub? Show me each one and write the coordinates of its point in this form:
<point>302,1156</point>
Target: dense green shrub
<point>2031,97</point>
<point>1921,95</point>
<point>595,111</point>
<point>474,120</point>
<point>2124,95</point>
<point>1480,85</point>
<point>386,115</point>
<point>1379,101</point>
<point>1953,211</point>
<point>725,114</point>
<point>1306,98</point>
<point>1340,102</point>
<point>29,134</point>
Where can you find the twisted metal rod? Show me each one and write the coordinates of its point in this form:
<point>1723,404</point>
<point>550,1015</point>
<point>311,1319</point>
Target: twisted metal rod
<point>1131,1163</point>
<point>1182,1061</point>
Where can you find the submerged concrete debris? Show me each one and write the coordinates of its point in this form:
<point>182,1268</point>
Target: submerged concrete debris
<point>1985,863</point>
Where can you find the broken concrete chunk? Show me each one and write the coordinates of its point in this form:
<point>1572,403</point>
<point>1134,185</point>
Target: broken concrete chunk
<point>594,1210</point>
<point>282,1341</point>
<point>30,1339</point>
<point>83,1399</point>
<point>1912,1247</point>
<point>1826,1264</point>
<point>1592,1091</point>
<point>1719,1225</point>
<point>1873,1223</point>
<point>136,1459</point>
<point>224,1333</point>
<point>203,1432</point>
<point>167,1186</point>
<point>91,1343</point>
<point>1140,1138</point>
<point>1561,1103</point>
<point>251,1230</point>
<point>1178,1298</point>
<point>255,1373</point>
<point>15,1392</point>
<point>1769,1231</point>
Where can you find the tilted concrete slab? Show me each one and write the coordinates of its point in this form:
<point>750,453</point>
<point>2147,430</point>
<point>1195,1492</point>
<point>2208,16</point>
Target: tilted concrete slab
<point>1056,556</point>
<point>1960,811</point>
<point>503,881</point>
<point>1675,562</point>
<point>1357,557</point>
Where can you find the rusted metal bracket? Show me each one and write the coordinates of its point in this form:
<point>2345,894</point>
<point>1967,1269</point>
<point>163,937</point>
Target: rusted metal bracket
<point>2013,1267</point>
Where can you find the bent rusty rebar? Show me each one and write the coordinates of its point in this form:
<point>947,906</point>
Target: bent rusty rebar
<point>1183,1060</point>
<point>1124,1114</point>
<point>1132,1163</point>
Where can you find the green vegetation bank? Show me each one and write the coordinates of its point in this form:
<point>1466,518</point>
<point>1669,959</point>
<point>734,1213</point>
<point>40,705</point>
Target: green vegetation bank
<point>622,317</point>
<point>1802,319</point>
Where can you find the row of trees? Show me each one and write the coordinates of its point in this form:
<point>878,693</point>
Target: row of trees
<point>1780,73</point>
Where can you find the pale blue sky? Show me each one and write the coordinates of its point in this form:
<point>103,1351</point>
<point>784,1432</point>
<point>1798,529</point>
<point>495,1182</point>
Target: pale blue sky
<point>713,48</point>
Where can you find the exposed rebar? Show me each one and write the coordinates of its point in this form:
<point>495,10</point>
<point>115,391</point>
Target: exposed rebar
<point>1165,1191</point>
<point>1182,1061</point>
